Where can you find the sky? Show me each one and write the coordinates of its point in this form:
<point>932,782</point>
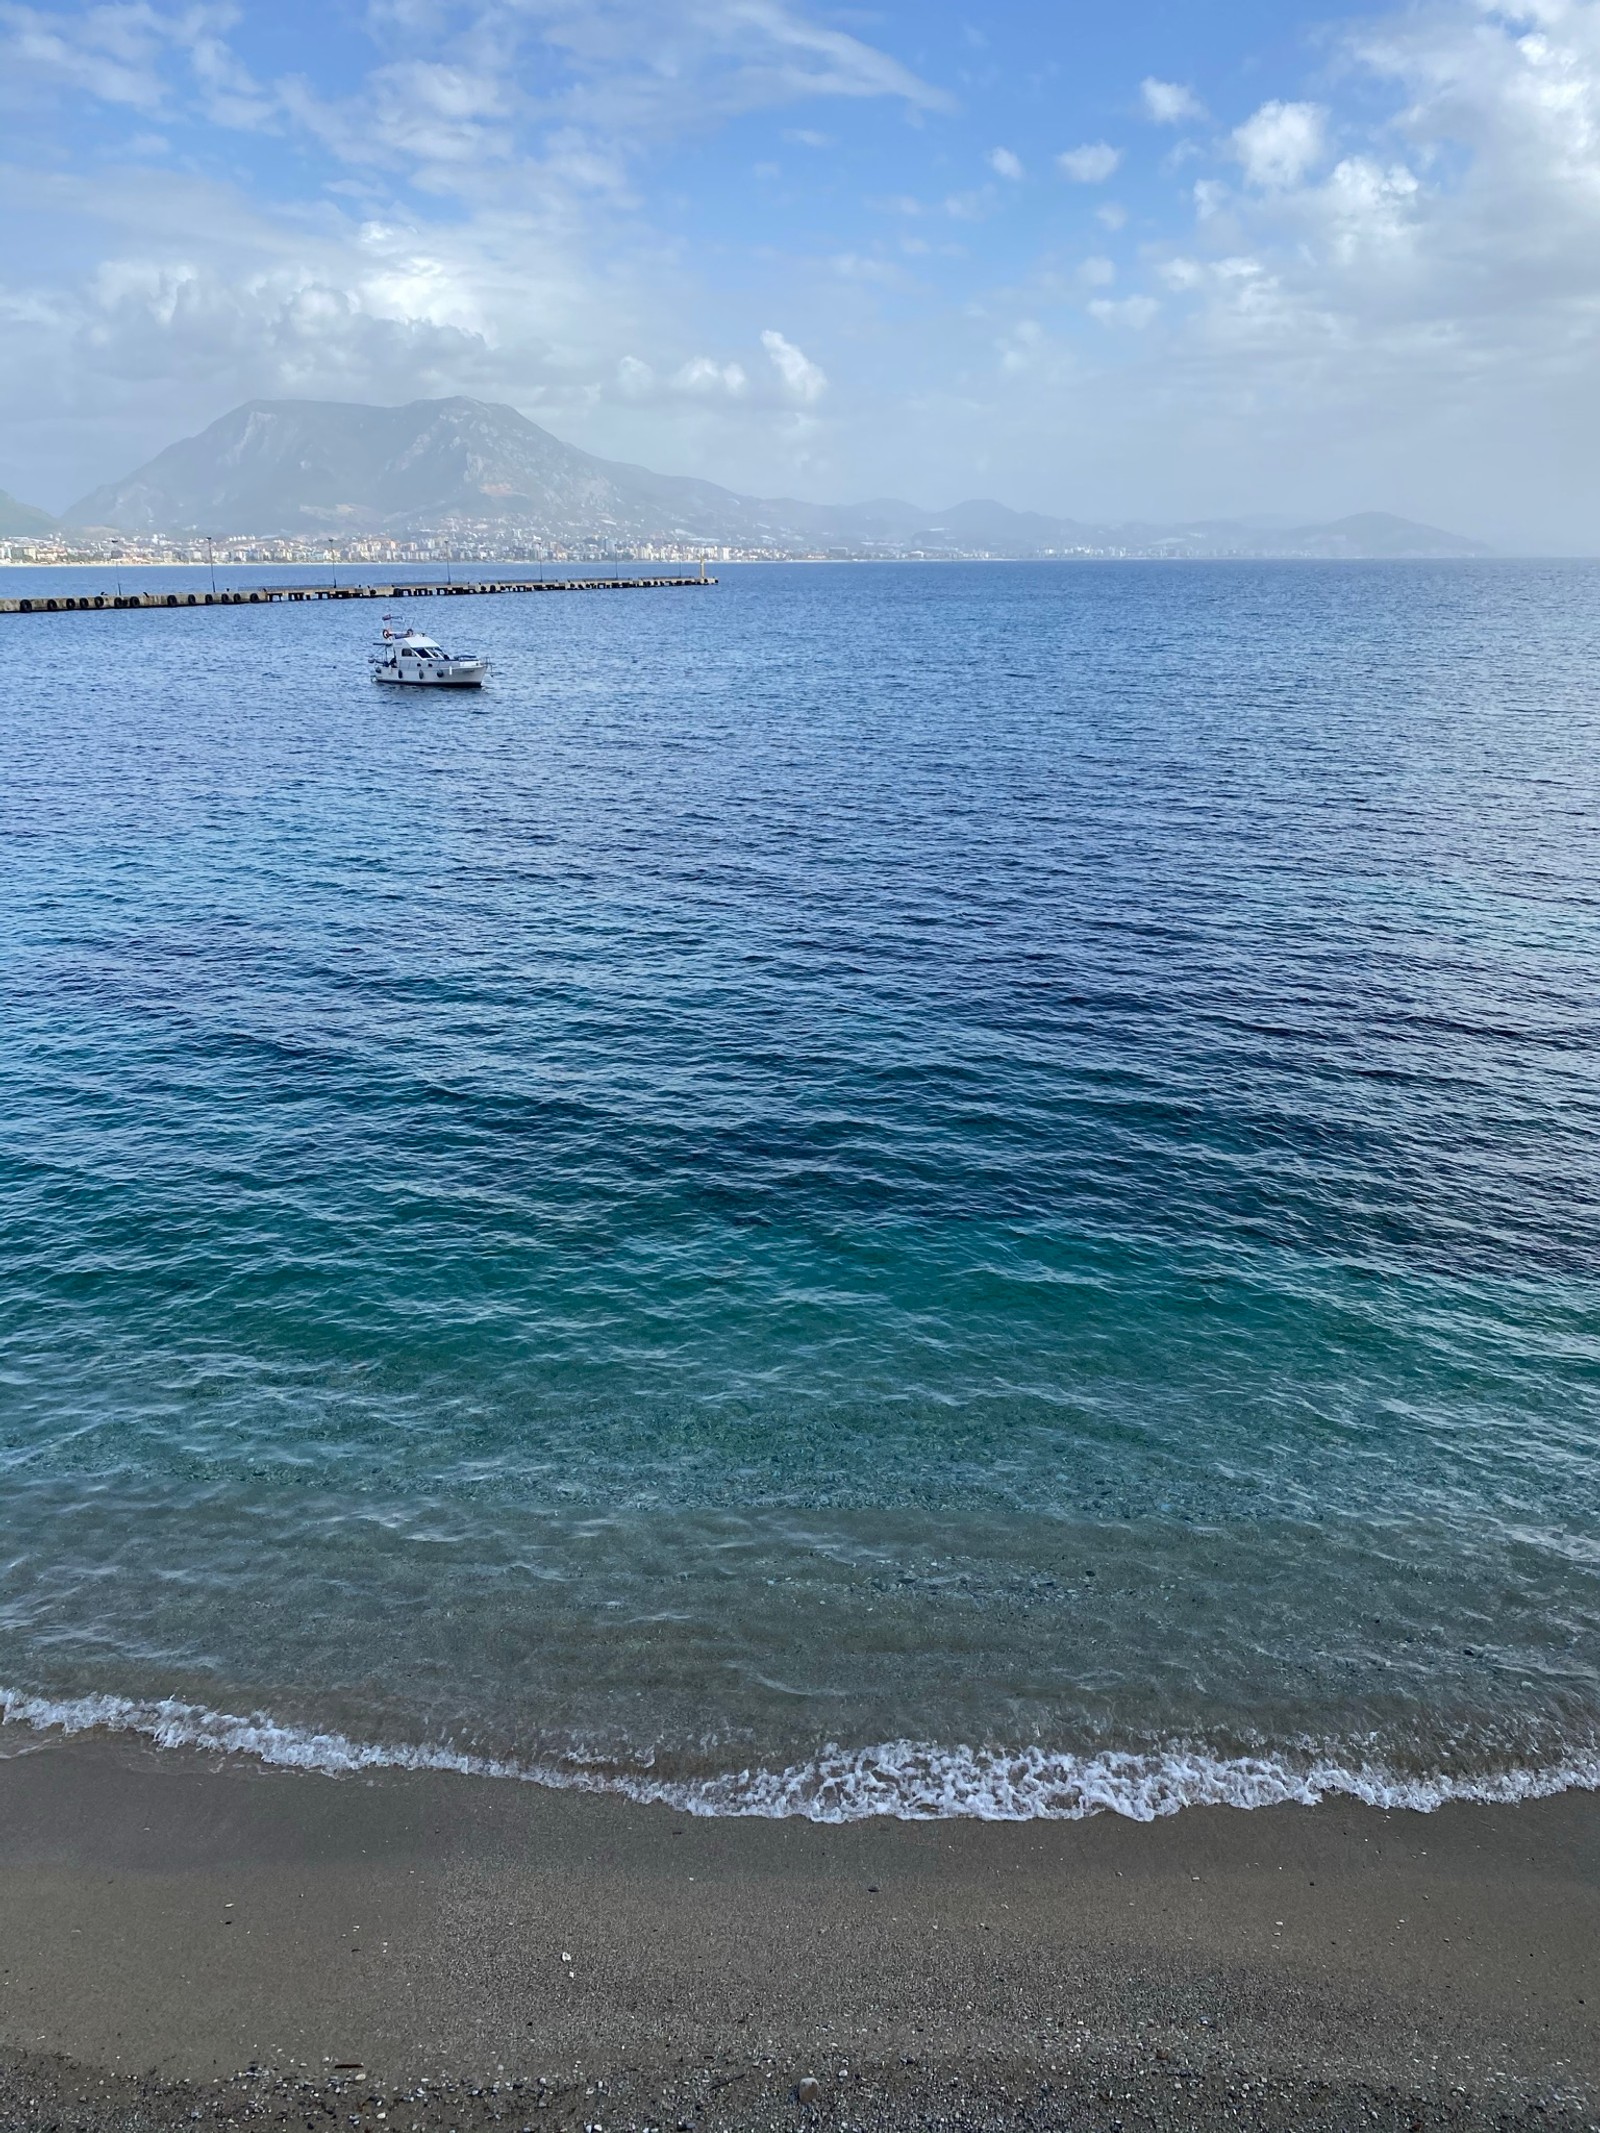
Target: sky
<point>1136,261</point>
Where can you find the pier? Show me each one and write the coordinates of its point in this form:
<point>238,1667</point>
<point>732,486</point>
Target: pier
<point>282,595</point>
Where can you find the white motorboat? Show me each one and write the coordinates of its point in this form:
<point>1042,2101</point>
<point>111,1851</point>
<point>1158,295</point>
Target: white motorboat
<point>415,660</point>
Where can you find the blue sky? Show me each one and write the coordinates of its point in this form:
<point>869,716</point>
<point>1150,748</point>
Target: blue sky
<point>1139,261</point>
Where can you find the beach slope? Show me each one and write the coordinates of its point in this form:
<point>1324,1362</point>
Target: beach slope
<point>185,1941</point>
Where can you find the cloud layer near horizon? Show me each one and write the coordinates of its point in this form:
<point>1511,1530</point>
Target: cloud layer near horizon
<point>744,240</point>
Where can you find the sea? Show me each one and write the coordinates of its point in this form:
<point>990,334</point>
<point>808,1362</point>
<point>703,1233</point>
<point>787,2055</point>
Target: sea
<point>924,1190</point>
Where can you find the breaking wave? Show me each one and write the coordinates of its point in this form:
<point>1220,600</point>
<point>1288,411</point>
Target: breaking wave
<point>906,1780</point>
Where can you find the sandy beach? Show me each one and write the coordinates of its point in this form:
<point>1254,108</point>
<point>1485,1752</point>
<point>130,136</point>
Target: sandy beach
<point>185,1941</point>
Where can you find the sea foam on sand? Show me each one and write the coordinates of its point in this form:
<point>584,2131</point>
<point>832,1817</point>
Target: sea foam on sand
<point>909,1780</point>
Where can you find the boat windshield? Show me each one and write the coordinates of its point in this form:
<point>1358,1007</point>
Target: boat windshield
<point>413,644</point>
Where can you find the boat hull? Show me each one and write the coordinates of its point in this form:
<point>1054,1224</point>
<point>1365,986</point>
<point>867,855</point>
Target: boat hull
<point>431,681</point>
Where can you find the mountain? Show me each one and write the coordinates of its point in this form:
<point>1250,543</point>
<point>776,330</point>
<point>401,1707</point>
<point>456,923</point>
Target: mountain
<point>307,466</point>
<point>327,467</point>
<point>1380,533</point>
<point>322,468</point>
<point>19,520</point>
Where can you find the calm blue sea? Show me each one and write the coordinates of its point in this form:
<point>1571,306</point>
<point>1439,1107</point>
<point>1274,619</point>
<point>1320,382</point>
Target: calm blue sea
<point>915,1189</point>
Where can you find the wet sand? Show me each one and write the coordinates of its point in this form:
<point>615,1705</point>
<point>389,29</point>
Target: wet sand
<point>188,1941</point>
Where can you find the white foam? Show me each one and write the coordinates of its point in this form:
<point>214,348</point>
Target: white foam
<point>907,1780</point>
<point>913,1781</point>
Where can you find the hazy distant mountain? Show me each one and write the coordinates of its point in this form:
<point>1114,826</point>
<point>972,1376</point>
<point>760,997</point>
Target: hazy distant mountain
<point>20,520</point>
<point>328,467</point>
<point>1379,533</point>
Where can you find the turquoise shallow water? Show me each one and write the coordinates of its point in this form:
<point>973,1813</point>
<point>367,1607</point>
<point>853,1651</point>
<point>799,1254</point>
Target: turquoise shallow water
<point>946,1189</point>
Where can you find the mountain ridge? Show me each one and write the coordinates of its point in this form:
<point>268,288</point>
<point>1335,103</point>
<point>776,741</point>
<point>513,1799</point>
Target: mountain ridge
<point>18,519</point>
<point>329,468</point>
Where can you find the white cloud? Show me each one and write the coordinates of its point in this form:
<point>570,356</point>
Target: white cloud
<point>1169,103</point>
<point>1422,310</point>
<point>1021,348</point>
<point>419,111</point>
<point>639,69</point>
<point>1366,207</point>
<point>1098,273</point>
<point>1210,197</point>
<point>1005,164</point>
<point>1408,279</point>
<point>114,60</point>
<point>1135,311</point>
<point>802,378</point>
<point>622,74</point>
<point>705,376</point>
<point>127,55</point>
<point>1281,142</point>
<point>1111,215</point>
<point>1090,165</point>
<point>538,284</point>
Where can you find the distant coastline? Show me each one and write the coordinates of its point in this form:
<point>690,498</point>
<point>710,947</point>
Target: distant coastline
<point>477,479</point>
<point>515,558</point>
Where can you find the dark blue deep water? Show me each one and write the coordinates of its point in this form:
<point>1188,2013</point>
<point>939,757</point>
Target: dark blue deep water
<point>967,1188</point>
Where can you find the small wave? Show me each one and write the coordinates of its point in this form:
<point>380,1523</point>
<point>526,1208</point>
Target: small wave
<point>918,1782</point>
<point>904,1780</point>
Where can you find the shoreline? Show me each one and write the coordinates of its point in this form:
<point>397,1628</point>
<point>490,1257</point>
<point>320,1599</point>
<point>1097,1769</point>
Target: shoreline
<point>896,1779</point>
<point>169,1919</point>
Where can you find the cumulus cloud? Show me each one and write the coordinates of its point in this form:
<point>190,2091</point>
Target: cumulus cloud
<point>1279,143</point>
<point>1091,164</point>
<point>705,376</point>
<point>803,379</point>
<point>1403,274</point>
<point>1427,303</point>
<point>538,283</point>
<point>702,379</point>
<point>1005,164</point>
<point>1169,103</point>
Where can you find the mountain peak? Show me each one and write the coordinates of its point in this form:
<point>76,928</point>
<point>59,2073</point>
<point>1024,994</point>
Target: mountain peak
<point>323,467</point>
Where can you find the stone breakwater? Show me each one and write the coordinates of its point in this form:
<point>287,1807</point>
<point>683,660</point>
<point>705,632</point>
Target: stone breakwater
<point>278,595</point>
